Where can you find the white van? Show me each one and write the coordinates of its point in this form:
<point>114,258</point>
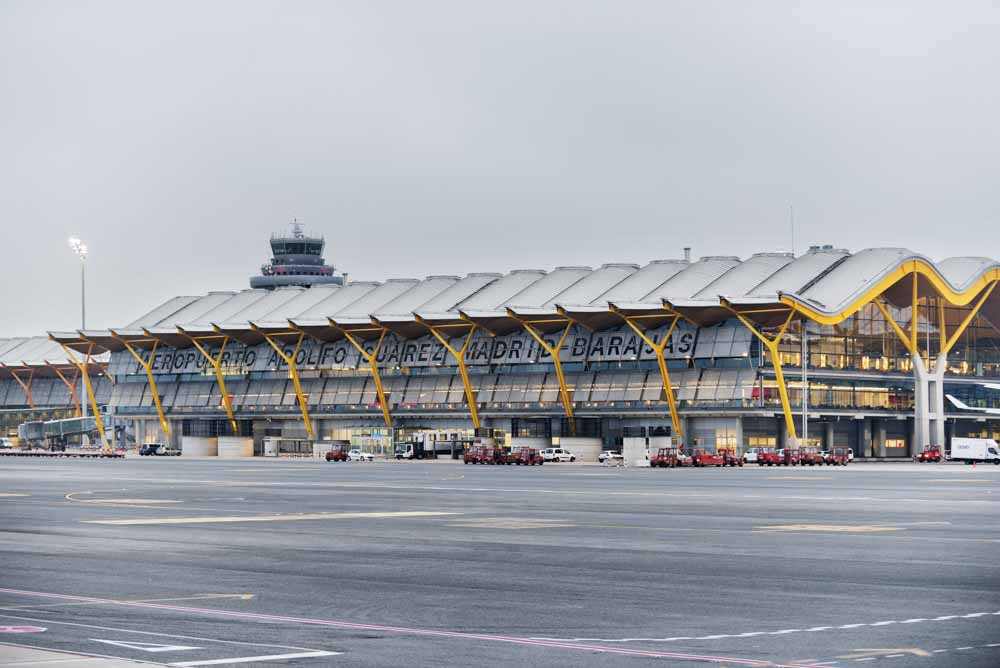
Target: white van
<point>557,455</point>
<point>971,450</point>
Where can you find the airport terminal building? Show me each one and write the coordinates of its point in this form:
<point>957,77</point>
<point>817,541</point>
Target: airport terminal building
<point>708,351</point>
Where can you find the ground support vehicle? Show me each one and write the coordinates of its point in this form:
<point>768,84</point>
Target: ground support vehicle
<point>149,449</point>
<point>790,457</point>
<point>730,458</point>
<point>167,451</point>
<point>768,457</point>
<point>809,456</point>
<point>838,457</point>
<point>972,450</point>
<point>338,453</point>
<point>526,457</point>
<point>930,454</point>
<point>669,458</point>
<point>471,456</point>
<point>701,457</point>
<point>608,454</point>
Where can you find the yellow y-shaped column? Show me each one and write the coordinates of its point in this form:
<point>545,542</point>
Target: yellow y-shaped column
<point>294,370</point>
<point>216,362</point>
<point>553,352</point>
<point>26,386</point>
<point>82,366</point>
<point>772,349</point>
<point>658,348</point>
<point>147,366</point>
<point>372,359</point>
<point>459,356</point>
<point>71,384</point>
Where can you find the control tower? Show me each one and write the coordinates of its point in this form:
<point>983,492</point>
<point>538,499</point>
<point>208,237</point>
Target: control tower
<point>297,259</point>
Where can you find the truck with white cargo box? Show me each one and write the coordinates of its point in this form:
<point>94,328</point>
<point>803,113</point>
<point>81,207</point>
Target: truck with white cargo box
<point>972,450</point>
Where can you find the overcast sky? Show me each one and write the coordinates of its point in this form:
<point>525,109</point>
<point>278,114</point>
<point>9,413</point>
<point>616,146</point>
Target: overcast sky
<point>448,137</point>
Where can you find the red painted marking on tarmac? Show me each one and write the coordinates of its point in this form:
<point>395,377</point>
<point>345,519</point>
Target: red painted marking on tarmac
<point>408,630</point>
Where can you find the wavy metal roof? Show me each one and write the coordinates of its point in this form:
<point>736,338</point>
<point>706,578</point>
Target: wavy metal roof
<point>826,284</point>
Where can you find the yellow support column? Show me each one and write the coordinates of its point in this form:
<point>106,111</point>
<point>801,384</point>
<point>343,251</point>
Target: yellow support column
<point>658,348</point>
<point>148,368</point>
<point>71,384</point>
<point>372,359</point>
<point>553,352</point>
<point>459,356</point>
<point>216,363</point>
<point>25,386</point>
<point>957,334</point>
<point>779,375</point>
<point>83,366</point>
<point>293,368</point>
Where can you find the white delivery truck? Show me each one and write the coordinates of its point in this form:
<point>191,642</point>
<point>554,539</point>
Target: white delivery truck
<point>971,450</point>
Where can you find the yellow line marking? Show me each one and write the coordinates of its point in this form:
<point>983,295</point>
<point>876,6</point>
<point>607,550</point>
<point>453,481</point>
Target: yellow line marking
<point>962,480</point>
<point>10,494</point>
<point>872,653</point>
<point>826,527</point>
<point>267,518</point>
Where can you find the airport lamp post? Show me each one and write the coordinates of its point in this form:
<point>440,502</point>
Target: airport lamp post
<point>80,249</point>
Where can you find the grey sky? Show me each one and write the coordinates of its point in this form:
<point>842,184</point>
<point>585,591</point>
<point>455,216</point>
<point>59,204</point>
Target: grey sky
<point>448,137</point>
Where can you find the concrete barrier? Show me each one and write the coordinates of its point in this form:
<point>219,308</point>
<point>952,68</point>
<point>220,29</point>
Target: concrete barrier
<point>235,447</point>
<point>199,446</point>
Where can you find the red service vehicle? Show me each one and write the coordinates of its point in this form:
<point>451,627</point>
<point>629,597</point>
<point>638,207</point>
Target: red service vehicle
<point>338,453</point>
<point>730,458</point>
<point>701,457</point>
<point>838,457</point>
<point>790,457</point>
<point>930,454</point>
<point>768,457</point>
<point>526,457</point>
<point>472,455</point>
<point>810,456</point>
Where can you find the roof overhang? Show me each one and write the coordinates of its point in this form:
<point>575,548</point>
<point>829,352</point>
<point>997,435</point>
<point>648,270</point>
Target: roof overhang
<point>766,312</point>
<point>362,329</point>
<point>701,312</point>
<point>594,318</point>
<point>648,316</point>
<point>541,319</point>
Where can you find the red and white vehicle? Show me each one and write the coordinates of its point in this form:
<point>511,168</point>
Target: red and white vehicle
<point>669,458</point>
<point>527,457</point>
<point>730,458</point>
<point>790,457</point>
<point>810,456</point>
<point>838,457</point>
<point>337,453</point>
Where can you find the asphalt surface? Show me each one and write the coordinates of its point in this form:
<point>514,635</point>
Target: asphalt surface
<point>439,564</point>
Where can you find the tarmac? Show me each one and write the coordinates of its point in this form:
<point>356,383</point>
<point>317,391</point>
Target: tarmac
<point>306,563</point>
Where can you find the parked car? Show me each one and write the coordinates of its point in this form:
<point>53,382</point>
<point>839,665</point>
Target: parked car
<point>337,453</point>
<point>929,454</point>
<point>607,454</point>
<point>167,451</point>
<point>149,449</point>
<point>615,459</point>
<point>358,455</point>
<point>526,457</point>
<point>558,455</point>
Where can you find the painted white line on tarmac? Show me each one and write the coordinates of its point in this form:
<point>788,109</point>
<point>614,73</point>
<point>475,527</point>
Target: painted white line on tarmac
<point>267,518</point>
<point>782,632</point>
<point>252,659</point>
<point>435,633</point>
